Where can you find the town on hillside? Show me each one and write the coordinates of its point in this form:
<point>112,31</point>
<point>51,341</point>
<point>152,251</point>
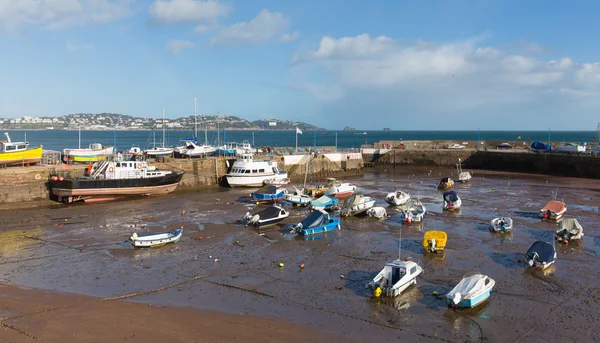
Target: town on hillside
<point>112,121</point>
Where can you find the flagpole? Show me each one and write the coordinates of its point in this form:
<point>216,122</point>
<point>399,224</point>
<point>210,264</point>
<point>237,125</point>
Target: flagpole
<point>296,151</point>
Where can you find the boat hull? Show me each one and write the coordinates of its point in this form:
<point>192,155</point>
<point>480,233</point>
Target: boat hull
<point>112,188</point>
<point>157,239</point>
<point>29,156</point>
<point>250,181</point>
<point>268,222</point>
<point>472,302</point>
<point>325,228</point>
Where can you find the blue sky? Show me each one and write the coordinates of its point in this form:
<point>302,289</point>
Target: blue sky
<point>368,64</point>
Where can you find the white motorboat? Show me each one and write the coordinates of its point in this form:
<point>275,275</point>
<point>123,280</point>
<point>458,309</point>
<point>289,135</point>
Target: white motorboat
<point>501,224</point>
<point>277,181</point>
<point>155,239</point>
<point>356,204</point>
<point>416,212</point>
<point>297,197</point>
<point>397,198</point>
<point>451,201</point>
<point>554,210</point>
<point>568,230</point>
<point>395,277</point>
<point>246,172</point>
<point>470,291</point>
<point>377,212</point>
<point>455,146</point>
<point>192,149</point>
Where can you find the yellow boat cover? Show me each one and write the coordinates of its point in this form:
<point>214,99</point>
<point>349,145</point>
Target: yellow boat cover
<point>440,240</point>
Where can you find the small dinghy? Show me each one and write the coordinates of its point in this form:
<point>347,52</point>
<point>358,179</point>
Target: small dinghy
<point>554,210</point>
<point>297,198</point>
<point>451,201</point>
<point>397,198</point>
<point>463,176</point>
<point>324,203</point>
<point>340,190</point>
<point>317,221</point>
<point>568,230</point>
<point>445,183</point>
<point>268,216</point>
<point>155,239</point>
<point>268,193</point>
<point>541,255</point>
<point>501,224</point>
<point>377,212</point>
<point>470,291</point>
<point>395,277</point>
<point>415,213</point>
<point>434,241</point>
<point>356,204</point>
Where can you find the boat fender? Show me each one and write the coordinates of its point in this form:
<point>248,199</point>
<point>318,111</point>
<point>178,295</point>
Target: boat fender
<point>89,168</point>
<point>38,176</point>
<point>133,237</point>
<point>377,292</point>
<point>111,169</point>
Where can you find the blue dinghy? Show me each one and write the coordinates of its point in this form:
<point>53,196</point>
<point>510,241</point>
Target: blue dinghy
<point>470,291</point>
<point>268,193</point>
<point>317,221</point>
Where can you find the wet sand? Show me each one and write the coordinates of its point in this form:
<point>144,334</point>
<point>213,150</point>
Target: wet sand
<point>82,249</point>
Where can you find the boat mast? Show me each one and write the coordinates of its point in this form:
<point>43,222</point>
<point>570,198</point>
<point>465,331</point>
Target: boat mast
<point>195,122</point>
<point>218,140</point>
<point>79,138</point>
<point>163,127</point>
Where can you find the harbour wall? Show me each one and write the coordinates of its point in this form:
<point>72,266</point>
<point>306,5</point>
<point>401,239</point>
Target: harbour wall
<point>584,166</point>
<point>521,161</point>
<point>22,187</point>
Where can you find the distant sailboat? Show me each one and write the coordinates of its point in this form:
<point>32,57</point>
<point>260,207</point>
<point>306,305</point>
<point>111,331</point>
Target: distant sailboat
<point>160,151</point>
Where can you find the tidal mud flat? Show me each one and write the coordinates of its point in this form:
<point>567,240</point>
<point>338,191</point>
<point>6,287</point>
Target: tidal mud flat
<point>83,249</point>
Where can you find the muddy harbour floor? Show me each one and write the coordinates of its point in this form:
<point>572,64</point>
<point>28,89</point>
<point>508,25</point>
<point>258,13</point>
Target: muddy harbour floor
<point>220,265</point>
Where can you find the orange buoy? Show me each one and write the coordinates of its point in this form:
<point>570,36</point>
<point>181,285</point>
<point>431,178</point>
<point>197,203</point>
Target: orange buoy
<point>302,266</point>
<point>60,178</point>
<point>200,238</point>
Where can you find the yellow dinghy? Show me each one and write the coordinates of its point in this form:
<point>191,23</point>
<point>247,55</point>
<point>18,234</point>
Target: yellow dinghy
<point>434,241</point>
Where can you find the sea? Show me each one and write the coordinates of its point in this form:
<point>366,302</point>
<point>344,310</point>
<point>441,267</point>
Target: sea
<point>123,140</point>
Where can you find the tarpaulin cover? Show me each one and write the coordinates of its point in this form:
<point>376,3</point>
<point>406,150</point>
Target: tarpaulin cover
<point>270,212</point>
<point>315,219</point>
<point>554,206</point>
<point>352,201</point>
<point>450,196</point>
<point>539,146</point>
<point>324,201</point>
<point>544,250</point>
<point>468,286</point>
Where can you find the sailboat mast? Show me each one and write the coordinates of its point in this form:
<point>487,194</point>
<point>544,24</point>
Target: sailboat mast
<point>79,138</point>
<point>195,121</point>
<point>163,127</point>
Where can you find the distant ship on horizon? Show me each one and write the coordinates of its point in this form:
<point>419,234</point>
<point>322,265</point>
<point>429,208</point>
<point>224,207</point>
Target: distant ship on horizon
<point>387,129</point>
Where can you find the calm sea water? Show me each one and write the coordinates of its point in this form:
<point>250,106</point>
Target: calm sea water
<point>123,140</point>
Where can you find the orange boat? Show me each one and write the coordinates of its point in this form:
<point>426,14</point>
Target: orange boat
<point>554,210</point>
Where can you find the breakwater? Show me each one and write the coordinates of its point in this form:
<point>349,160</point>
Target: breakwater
<point>27,186</point>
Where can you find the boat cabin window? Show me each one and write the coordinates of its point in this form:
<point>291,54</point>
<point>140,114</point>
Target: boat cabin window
<point>254,171</point>
<point>11,147</point>
<point>413,270</point>
<point>261,170</point>
<point>397,274</point>
<point>22,146</point>
<point>118,165</point>
<point>487,281</point>
<point>247,171</point>
<point>274,170</point>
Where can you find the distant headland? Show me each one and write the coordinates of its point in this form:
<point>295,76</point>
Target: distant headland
<point>112,121</point>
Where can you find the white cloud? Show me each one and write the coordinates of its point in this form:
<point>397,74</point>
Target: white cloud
<point>465,79</point>
<point>188,11</point>
<point>176,46</point>
<point>263,27</point>
<point>290,37</point>
<point>72,47</point>
<point>57,14</point>
<point>204,28</point>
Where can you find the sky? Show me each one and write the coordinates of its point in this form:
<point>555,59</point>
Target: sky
<point>422,64</point>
